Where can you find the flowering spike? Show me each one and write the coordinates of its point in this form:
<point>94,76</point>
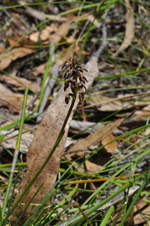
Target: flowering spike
<point>73,77</point>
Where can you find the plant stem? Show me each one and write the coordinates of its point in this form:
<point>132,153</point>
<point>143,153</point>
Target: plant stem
<point>16,153</point>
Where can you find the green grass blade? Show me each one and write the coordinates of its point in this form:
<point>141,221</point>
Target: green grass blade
<point>1,219</point>
<point>44,79</point>
<point>40,3</point>
<point>12,197</point>
<point>30,116</point>
<point>1,138</point>
<point>16,153</point>
<point>108,215</point>
<point>97,206</point>
<point>134,200</point>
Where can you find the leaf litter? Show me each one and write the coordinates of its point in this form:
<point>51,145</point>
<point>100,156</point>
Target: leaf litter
<point>130,107</point>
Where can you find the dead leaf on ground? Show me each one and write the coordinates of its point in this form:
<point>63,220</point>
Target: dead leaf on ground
<point>112,146</point>
<point>44,140</point>
<point>95,137</point>
<point>13,41</point>
<point>2,49</point>
<point>141,210</point>
<point>140,215</point>
<point>44,35</point>
<point>13,55</point>
<point>39,70</point>
<point>130,27</point>
<point>20,82</point>
<point>42,16</point>
<point>10,141</point>
<point>104,103</point>
<point>62,31</point>
<point>97,161</point>
<point>11,100</point>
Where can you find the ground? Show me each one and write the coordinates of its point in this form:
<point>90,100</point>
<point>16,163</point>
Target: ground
<point>108,136</point>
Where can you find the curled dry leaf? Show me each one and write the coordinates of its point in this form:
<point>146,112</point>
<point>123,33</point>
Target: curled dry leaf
<point>46,34</point>
<point>44,140</point>
<point>10,99</point>
<point>129,32</point>
<point>20,82</point>
<point>13,55</point>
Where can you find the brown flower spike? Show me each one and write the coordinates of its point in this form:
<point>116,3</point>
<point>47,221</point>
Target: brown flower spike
<point>73,77</point>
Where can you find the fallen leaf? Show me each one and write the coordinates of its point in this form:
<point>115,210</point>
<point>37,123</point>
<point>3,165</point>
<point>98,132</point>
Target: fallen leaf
<point>10,99</point>
<point>141,210</point>
<point>95,137</point>
<point>2,49</point>
<point>44,140</point>
<point>10,141</point>
<point>13,41</point>
<point>62,31</point>
<point>112,146</point>
<point>44,35</point>
<point>114,104</point>
<point>130,27</point>
<point>13,55</point>
<point>39,70</point>
<point>92,166</point>
<point>94,163</point>
<point>21,82</point>
<point>42,16</point>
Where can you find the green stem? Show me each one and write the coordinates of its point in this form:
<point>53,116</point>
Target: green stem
<point>16,153</point>
<point>60,136</point>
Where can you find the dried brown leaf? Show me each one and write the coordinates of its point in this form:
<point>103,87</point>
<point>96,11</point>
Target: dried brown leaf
<point>141,210</point>
<point>112,146</point>
<point>13,55</point>
<point>95,137</point>
<point>45,34</point>
<point>10,99</point>
<point>62,31</point>
<point>97,161</point>
<point>92,166</point>
<point>21,82</point>
<point>23,41</point>
<point>44,140</point>
<point>130,27</point>
<point>114,104</point>
<point>2,49</point>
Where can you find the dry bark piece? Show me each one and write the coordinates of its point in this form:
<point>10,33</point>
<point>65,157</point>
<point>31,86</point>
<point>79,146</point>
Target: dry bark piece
<point>44,140</point>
